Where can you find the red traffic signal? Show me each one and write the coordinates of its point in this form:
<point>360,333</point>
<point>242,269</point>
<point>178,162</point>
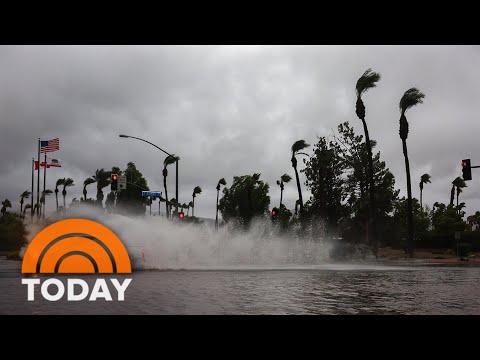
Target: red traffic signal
<point>274,213</point>
<point>114,182</point>
<point>466,169</point>
<point>181,215</point>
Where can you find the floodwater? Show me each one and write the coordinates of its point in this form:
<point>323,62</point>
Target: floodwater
<point>325,289</point>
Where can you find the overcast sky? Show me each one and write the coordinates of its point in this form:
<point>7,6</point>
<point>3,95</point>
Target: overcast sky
<point>232,110</point>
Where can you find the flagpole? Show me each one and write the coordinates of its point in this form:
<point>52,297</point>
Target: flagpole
<point>38,178</point>
<point>33,189</point>
<point>44,181</point>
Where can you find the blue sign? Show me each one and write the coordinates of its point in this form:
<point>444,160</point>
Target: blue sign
<point>152,193</point>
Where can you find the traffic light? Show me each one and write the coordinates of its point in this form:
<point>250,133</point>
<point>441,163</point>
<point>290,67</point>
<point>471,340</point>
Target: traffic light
<point>466,169</point>
<point>181,215</point>
<point>274,213</point>
<point>114,182</point>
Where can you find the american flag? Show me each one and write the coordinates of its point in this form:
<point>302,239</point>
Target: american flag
<point>49,145</point>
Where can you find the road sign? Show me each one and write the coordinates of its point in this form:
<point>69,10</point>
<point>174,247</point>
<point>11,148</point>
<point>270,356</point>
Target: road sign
<point>122,182</point>
<point>458,235</point>
<point>152,193</point>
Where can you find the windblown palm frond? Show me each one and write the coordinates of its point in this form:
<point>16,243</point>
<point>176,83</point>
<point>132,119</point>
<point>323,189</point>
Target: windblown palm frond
<point>410,98</point>
<point>367,81</point>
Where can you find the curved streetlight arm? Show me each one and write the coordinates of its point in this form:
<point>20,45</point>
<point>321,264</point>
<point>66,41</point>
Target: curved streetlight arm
<point>148,142</point>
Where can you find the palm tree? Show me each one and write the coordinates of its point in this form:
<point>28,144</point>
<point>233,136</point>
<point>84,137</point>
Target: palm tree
<point>172,203</point>
<point>459,184</point>
<point>368,81</point>
<point>42,201</point>
<point>87,182</point>
<point>36,209</point>
<point>185,206</point>
<point>424,179</point>
<point>5,204</point>
<point>284,179</point>
<point>296,148</point>
<point>27,206</point>
<point>196,190</point>
<point>68,182</point>
<point>410,98</point>
<point>57,184</point>
<point>220,182</point>
<point>102,178</point>
<point>190,205</point>
<point>169,160</point>
<point>25,195</point>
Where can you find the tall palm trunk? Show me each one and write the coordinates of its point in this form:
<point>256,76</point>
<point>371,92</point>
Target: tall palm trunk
<point>409,201</point>
<point>294,163</point>
<point>421,203</point>
<point>452,195</point>
<point>64,193</point>
<point>216,213</point>
<point>166,192</point>
<point>21,206</point>
<point>193,207</point>
<point>56,197</point>
<point>373,228</point>
<point>281,195</point>
<point>85,194</point>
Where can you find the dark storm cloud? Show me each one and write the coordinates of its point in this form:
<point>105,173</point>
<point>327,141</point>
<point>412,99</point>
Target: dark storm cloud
<point>231,110</point>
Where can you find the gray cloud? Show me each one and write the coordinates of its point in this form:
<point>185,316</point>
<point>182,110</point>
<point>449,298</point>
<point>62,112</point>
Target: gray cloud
<point>232,110</point>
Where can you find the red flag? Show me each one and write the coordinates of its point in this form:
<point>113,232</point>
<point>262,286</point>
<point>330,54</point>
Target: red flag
<point>42,164</point>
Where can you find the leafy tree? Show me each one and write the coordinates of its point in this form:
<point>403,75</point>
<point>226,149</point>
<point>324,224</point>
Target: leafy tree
<point>353,159</point>
<point>246,198</point>
<point>5,204</point>
<point>398,229</point>
<point>220,182</point>
<point>446,219</point>
<point>130,200</point>
<point>323,178</point>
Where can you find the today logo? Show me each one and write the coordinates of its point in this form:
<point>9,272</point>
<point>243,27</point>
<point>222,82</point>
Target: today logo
<point>76,246</point>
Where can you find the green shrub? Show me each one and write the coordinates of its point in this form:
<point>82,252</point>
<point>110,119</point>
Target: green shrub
<point>12,233</point>
<point>464,248</point>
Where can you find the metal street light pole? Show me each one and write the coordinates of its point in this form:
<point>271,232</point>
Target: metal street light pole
<point>159,148</point>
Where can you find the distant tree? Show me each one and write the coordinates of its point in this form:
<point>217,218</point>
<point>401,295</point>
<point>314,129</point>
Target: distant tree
<point>425,179</point>
<point>220,182</point>
<point>246,198</point>
<point>446,219</point>
<point>25,195</point>
<point>458,184</point>
<point>297,148</point>
<point>68,182</point>
<point>284,179</point>
<point>399,224</point>
<point>196,191</point>
<point>87,182</point>
<point>169,160</point>
<point>42,200</point>
<point>102,179</point>
<point>57,184</point>
<point>130,200</point>
<point>5,204</point>
<point>27,206</point>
